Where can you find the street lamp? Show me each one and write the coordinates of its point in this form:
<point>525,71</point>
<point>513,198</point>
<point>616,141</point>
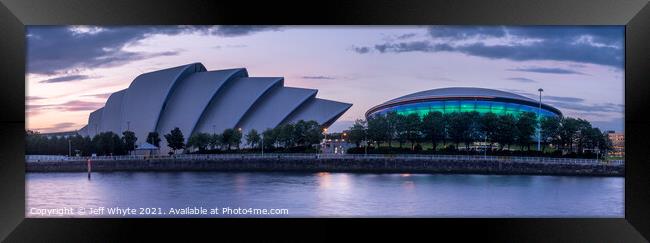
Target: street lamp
<point>539,111</point>
<point>325,141</point>
<point>262,143</point>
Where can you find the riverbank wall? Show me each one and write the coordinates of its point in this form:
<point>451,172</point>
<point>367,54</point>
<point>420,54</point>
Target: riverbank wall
<point>353,165</point>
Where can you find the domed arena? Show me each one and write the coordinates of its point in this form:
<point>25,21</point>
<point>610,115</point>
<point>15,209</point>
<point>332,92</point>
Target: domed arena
<point>464,99</point>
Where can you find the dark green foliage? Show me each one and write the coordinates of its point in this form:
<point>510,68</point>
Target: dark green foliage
<point>357,132</point>
<point>175,139</point>
<point>129,139</point>
<point>154,139</point>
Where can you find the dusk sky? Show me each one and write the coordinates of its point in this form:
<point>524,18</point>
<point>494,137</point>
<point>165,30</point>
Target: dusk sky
<point>71,70</point>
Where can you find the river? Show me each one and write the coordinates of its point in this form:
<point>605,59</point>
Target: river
<point>228,194</point>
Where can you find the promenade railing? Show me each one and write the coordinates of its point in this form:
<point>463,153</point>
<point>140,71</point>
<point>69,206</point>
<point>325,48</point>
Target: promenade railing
<point>430,157</point>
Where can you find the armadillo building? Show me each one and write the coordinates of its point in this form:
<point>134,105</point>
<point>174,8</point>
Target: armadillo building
<point>464,99</point>
<point>196,100</point>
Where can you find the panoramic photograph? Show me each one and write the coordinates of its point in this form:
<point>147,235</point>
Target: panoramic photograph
<point>324,121</point>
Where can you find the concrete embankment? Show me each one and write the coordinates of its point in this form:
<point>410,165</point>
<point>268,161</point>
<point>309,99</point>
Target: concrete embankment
<point>356,165</point>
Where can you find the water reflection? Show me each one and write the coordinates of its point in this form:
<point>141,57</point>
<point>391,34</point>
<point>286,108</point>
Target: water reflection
<point>337,194</point>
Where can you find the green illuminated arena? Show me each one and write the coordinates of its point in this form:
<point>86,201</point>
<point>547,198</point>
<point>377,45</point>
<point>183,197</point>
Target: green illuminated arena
<point>447,100</point>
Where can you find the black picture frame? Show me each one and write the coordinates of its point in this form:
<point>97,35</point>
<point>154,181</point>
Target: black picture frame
<point>635,15</point>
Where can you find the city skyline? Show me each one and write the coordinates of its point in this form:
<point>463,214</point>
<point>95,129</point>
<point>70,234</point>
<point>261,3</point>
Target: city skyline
<point>71,70</point>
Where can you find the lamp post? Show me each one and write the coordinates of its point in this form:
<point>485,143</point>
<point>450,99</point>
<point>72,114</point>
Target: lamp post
<point>69,148</point>
<point>325,140</point>
<point>128,125</point>
<point>262,143</point>
<point>539,111</point>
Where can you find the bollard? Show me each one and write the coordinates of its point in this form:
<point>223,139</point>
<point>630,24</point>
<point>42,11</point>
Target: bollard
<point>89,169</point>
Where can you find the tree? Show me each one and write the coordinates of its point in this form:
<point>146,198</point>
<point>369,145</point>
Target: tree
<point>108,143</point>
<point>312,133</point>
<point>605,144</point>
<point>377,129</point>
<point>585,135</point>
<point>433,127</point>
<point>357,132</point>
<point>412,129</point>
<point>227,138</point>
<point>175,139</point>
<point>129,139</point>
<point>269,138</point>
<point>488,126</point>
<point>215,141</point>
<point>459,127</point>
<point>236,138</point>
<point>391,127</point>
<point>199,141</point>
<point>285,135</point>
<point>504,132</point>
<point>401,129</point>
<point>568,130</point>
<point>525,129</point>
<point>550,131</point>
<point>473,132</point>
<point>154,139</point>
<point>253,138</point>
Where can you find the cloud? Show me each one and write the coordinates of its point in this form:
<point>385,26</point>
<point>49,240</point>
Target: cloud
<point>62,125</point>
<point>563,98</point>
<point>464,32</point>
<point>75,105</point>
<point>602,45</point>
<point>361,50</point>
<point>615,124</point>
<point>580,106</point>
<point>34,98</point>
<point>240,30</point>
<point>55,50</point>
<point>546,70</point>
<point>100,96</point>
<point>68,78</point>
<point>521,79</point>
<point>317,77</point>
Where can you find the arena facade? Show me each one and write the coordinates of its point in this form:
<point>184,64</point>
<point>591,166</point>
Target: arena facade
<point>464,99</point>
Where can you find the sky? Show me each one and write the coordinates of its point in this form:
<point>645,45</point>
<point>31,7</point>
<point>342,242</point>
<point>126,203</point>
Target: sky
<point>71,70</point>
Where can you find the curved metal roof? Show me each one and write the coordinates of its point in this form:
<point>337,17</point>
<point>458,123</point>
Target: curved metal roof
<point>461,92</point>
<point>197,100</point>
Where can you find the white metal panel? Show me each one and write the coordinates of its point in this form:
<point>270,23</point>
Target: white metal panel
<point>325,112</point>
<point>94,122</point>
<point>275,107</point>
<point>190,98</point>
<point>112,113</point>
<point>147,96</point>
<point>233,101</point>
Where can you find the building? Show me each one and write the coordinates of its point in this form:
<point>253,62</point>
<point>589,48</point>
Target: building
<point>618,143</point>
<point>463,99</point>
<point>196,100</point>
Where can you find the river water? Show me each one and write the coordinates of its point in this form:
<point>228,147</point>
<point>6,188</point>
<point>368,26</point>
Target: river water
<point>207,194</point>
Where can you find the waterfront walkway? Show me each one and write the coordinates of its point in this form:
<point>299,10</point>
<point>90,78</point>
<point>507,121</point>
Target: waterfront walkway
<point>466,158</point>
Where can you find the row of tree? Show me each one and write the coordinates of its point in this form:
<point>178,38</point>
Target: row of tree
<point>299,136</point>
<point>565,133</point>
<point>106,143</point>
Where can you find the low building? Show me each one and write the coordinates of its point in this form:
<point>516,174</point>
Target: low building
<point>618,143</point>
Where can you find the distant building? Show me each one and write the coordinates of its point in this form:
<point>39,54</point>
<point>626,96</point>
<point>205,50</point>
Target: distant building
<point>618,143</point>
